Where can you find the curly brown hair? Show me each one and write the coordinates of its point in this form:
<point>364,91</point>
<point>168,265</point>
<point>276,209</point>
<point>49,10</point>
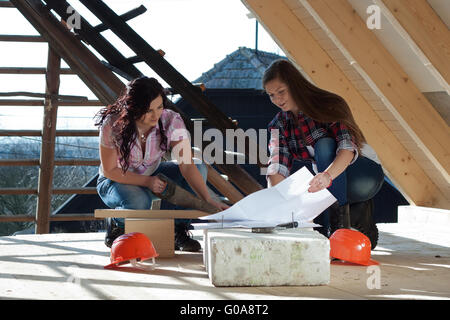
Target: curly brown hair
<point>129,107</point>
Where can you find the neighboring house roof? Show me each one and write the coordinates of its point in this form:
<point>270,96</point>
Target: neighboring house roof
<point>242,69</point>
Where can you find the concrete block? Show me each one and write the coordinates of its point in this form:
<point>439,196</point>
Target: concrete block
<point>292,257</point>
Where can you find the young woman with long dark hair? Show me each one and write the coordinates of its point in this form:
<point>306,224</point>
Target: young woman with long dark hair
<point>135,133</point>
<point>317,129</point>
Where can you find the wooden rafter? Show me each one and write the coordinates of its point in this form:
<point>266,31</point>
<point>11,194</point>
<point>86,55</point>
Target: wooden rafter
<point>407,103</point>
<point>300,45</point>
<point>426,29</point>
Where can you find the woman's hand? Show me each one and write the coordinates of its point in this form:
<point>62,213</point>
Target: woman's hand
<point>321,181</point>
<point>156,185</point>
<point>219,205</point>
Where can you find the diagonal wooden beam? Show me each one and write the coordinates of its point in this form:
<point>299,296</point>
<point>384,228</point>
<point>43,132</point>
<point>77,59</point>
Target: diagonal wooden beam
<point>301,46</point>
<point>407,103</point>
<point>92,36</point>
<point>102,82</point>
<point>427,30</point>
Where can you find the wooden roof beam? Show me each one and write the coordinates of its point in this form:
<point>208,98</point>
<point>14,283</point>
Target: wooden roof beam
<point>42,95</point>
<point>31,70</point>
<point>126,16</point>
<point>21,38</point>
<point>406,102</point>
<point>426,29</point>
<point>304,49</point>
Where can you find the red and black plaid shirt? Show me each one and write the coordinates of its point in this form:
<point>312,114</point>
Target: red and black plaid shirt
<point>289,144</point>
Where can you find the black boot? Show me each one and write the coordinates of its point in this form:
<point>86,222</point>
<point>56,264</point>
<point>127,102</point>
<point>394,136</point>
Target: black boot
<point>339,217</point>
<point>361,215</point>
<point>184,241</point>
<point>112,232</point>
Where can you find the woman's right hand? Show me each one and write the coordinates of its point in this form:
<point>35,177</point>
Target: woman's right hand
<point>156,185</point>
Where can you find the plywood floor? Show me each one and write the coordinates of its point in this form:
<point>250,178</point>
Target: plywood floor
<point>414,264</point>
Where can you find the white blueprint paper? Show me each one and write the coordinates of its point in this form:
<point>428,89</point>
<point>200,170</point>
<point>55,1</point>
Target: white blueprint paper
<point>288,201</point>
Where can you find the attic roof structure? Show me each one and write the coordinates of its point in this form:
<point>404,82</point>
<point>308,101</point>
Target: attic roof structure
<point>395,79</point>
<point>389,59</point>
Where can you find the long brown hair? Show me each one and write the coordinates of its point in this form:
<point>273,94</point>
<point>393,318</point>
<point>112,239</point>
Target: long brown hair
<point>129,107</point>
<point>320,105</point>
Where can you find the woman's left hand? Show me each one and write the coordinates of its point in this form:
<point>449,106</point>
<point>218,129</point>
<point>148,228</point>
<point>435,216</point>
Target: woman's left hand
<point>321,181</point>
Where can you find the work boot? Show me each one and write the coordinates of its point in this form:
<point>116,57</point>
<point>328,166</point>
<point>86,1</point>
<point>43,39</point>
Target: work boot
<point>184,240</point>
<point>361,216</point>
<point>339,217</point>
<point>113,231</point>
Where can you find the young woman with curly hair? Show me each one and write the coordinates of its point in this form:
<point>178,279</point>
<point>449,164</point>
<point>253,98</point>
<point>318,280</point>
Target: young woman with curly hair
<point>135,133</point>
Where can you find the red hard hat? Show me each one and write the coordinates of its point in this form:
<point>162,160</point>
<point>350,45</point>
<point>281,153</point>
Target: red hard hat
<point>131,246</point>
<point>351,246</point>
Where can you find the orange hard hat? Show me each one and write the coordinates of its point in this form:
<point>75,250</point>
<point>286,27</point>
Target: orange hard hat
<point>351,246</point>
<point>131,247</point>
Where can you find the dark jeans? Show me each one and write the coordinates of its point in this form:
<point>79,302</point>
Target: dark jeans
<point>361,180</point>
<point>125,196</point>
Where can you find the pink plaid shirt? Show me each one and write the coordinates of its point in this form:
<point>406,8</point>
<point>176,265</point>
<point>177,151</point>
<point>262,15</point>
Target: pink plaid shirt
<point>174,129</point>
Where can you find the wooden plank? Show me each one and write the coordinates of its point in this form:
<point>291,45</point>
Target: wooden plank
<point>22,102</point>
<point>125,16</point>
<point>17,191</point>
<point>76,133</point>
<point>42,95</point>
<point>302,48</point>
<point>19,162</point>
<point>58,217</point>
<point>77,162</point>
<point>30,70</point>
<point>20,133</point>
<point>427,30</point>
<point>149,214</point>
<point>410,107</point>
<point>17,218</point>
<point>86,103</point>
<point>21,38</point>
<point>57,162</point>
<point>47,159</point>
<point>38,133</point>
<point>74,217</point>
<point>85,190</point>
